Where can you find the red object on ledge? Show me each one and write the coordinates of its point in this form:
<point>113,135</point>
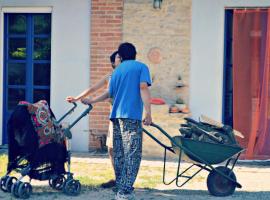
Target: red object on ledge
<point>157,101</point>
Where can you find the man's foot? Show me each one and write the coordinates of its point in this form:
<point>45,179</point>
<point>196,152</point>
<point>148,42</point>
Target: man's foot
<point>120,196</point>
<point>108,184</point>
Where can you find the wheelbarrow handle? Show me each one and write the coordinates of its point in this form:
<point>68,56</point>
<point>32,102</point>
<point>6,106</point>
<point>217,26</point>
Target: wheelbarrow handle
<point>156,140</point>
<point>161,130</point>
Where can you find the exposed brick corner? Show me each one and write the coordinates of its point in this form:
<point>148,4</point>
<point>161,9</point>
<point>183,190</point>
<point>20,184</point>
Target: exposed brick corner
<point>106,35</point>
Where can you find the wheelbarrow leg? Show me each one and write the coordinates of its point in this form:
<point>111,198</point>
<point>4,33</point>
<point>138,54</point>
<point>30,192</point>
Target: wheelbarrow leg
<point>164,169</point>
<point>187,177</point>
<point>178,174</point>
<point>234,162</point>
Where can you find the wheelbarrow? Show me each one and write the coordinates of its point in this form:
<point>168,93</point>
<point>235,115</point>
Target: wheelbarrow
<point>221,180</point>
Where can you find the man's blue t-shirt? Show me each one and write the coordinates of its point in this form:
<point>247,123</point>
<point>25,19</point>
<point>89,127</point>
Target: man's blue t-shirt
<point>124,89</point>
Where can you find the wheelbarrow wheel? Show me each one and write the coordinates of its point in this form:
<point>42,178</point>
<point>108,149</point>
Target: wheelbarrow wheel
<point>219,185</point>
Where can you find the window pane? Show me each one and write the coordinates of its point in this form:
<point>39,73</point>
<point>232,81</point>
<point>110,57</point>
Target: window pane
<point>42,48</point>
<point>17,48</point>
<point>16,74</point>
<point>42,74</point>
<point>14,96</point>
<point>17,24</point>
<point>42,24</point>
<point>40,94</point>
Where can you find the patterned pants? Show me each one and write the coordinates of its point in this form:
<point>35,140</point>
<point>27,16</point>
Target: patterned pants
<point>127,152</point>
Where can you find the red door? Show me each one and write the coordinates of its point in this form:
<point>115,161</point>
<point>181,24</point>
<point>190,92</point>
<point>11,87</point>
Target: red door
<point>251,79</point>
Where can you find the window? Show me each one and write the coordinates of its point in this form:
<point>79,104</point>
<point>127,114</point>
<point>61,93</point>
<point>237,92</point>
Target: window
<point>27,59</point>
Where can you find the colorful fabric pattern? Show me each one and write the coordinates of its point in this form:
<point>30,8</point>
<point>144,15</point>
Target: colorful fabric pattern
<point>44,123</point>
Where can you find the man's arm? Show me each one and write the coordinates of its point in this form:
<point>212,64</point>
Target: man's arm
<point>102,97</point>
<point>145,94</point>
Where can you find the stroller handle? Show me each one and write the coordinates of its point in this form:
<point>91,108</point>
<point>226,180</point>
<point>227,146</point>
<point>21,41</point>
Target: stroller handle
<point>84,113</point>
<point>68,112</point>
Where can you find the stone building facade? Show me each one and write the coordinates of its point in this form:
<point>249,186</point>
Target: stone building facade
<point>166,32</point>
<point>162,39</point>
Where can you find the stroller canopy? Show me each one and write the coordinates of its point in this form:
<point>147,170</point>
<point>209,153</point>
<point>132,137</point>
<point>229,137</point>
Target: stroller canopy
<point>44,122</point>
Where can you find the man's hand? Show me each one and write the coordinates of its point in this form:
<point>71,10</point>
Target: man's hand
<point>147,120</point>
<point>145,94</point>
<point>86,101</point>
<point>71,99</point>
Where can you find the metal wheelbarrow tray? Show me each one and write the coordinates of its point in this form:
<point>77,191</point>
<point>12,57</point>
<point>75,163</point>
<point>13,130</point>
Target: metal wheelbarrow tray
<point>221,180</point>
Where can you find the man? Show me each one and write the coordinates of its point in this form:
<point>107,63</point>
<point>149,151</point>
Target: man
<point>129,91</point>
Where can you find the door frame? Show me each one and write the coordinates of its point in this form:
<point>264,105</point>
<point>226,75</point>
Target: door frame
<point>227,107</point>
<point>4,10</point>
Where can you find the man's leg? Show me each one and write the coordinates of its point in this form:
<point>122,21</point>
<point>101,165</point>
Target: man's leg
<point>131,131</point>
<point>118,151</point>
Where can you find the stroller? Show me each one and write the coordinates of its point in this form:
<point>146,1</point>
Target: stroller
<point>39,147</point>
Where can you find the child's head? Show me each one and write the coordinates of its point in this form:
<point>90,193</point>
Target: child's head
<point>114,59</point>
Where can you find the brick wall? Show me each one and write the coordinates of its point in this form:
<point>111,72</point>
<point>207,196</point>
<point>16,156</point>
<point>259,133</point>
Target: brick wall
<point>106,35</point>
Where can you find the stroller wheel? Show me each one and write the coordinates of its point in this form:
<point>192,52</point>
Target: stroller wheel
<point>57,182</point>
<point>9,182</point>
<point>15,188</point>
<point>72,187</point>
<point>2,183</point>
<point>219,185</point>
<point>25,190</point>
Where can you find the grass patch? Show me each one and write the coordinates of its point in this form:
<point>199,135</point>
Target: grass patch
<point>92,175</point>
<point>3,164</point>
<point>149,177</point>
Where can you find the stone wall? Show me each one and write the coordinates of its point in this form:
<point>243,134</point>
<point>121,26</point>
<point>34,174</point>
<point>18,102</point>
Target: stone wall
<point>162,39</point>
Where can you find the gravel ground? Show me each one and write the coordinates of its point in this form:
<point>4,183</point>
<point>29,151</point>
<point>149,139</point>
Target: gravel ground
<point>254,179</point>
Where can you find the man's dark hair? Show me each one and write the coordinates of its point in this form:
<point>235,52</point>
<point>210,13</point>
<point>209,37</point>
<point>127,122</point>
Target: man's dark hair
<point>112,57</point>
<point>127,51</point>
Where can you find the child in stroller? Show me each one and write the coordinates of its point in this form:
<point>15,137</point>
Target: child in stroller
<point>37,148</point>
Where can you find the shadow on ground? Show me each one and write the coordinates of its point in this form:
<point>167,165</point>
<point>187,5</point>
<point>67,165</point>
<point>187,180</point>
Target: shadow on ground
<point>45,193</point>
<point>197,194</point>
